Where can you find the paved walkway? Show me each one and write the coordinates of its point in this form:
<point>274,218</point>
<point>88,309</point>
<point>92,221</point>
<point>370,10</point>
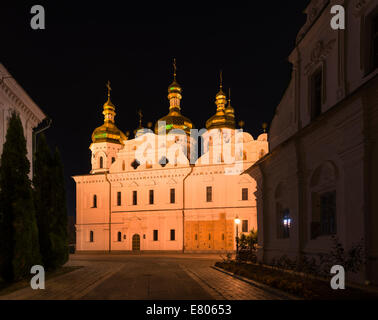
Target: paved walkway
<point>144,277</point>
<point>225,287</point>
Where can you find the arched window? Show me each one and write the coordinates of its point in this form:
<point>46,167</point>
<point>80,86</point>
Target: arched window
<point>119,236</point>
<point>94,201</point>
<point>135,164</point>
<point>91,236</point>
<point>163,161</point>
<point>101,162</point>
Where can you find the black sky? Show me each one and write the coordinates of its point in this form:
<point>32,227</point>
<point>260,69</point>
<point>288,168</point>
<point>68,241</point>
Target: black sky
<point>65,67</point>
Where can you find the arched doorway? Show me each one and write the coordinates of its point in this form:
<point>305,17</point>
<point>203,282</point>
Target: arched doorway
<point>136,242</point>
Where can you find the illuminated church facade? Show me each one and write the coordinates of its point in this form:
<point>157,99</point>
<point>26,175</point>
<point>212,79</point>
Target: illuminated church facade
<point>153,193</point>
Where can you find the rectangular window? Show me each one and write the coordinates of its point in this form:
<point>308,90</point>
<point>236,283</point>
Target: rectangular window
<point>374,42</point>
<point>94,201</point>
<point>328,213</point>
<point>151,196</point>
<point>245,226</point>
<point>209,194</point>
<point>135,198</point>
<point>173,196</point>
<point>245,194</point>
<point>156,238</point>
<point>316,94</point>
<point>286,222</point>
<point>91,236</point>
<point>119,200</point>
<point>283,222</point>
<point>173,234</point>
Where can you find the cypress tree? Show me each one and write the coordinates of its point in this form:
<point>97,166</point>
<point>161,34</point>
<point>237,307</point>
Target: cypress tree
<point>60,232</point>
<point>50,204</point>
<point>43,196</point>
<point>19,247</point>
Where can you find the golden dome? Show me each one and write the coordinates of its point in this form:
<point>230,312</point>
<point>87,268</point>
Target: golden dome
<point>224,116</point>
<point>174,87</point>
<point>108,132</point>
<point>174,120</point>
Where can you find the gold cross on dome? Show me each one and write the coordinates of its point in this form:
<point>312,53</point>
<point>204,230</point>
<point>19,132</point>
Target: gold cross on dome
<point>140,117</point>
<point>174,68</point>
<point>109,88</point>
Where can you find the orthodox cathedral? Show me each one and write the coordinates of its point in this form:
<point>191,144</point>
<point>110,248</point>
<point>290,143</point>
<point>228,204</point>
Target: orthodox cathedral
<point>154,193</point>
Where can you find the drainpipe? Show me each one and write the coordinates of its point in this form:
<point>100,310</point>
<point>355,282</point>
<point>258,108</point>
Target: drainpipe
<point>183,207</point>
<point>110,211</point>
<point>35,133</point>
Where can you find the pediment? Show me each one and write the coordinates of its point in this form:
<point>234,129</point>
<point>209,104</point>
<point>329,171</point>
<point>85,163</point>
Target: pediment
<point>133,184</point>
<point>150,183</point>
<point>171,181</point>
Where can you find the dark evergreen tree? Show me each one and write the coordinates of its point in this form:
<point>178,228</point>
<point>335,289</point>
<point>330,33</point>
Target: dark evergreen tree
<point>60,230</point>
<point>19,247</point>
<point>43,196</point>
<point>50,204</point>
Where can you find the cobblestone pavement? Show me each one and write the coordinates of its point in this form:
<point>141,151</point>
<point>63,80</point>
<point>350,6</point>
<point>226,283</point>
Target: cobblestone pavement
<point>225,287</point>
<point>143,277</point>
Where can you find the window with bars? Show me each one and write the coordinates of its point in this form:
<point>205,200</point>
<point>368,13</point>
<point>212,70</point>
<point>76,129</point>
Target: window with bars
<point>328,213</point>
<point>151,196</point>
<point>119,198</point>
<point>283,222</point>
<point>173,196</point>
<point>245,226</point>
<point>374,42</point>
<point>316,93</point>
<point>245,194</point>
<point>209,194</point>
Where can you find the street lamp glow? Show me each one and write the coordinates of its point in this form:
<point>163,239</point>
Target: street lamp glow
<point>237,220</point>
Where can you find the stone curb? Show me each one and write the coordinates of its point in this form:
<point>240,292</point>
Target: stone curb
<point>277,292</point>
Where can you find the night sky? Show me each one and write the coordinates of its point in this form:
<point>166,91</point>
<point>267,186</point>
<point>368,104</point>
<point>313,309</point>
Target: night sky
<point>64,68</point>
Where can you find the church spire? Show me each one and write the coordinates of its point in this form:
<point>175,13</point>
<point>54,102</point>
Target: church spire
<point>174,119</point>
<point>109,108</point>
<point>230,112</point>
<point>108,132</point>
<point>174,91</point>
<point>140,118</point>
<point>220,98</point>
<point>174,69</point>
